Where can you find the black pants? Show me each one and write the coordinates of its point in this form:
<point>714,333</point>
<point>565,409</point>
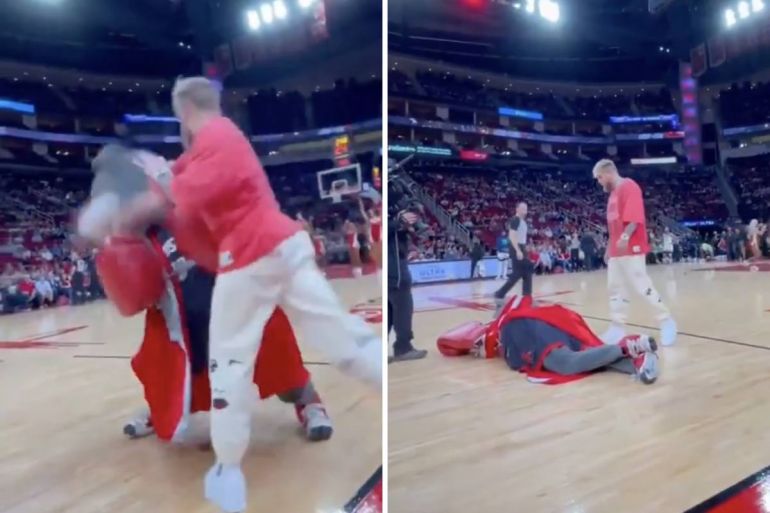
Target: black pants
<point>474,263</point>
<point>13,302</point>
<point>522,270</point>
<point>400,312</point>
<point>575,257</point>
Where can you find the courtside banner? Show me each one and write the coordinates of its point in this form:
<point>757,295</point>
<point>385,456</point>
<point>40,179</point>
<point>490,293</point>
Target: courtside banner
<point>450,270</point>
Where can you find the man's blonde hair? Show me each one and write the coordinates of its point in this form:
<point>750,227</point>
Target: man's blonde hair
<point>199,91</point>
<point>604,165</point>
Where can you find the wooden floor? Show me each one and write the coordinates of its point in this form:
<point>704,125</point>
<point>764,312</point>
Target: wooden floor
<point>62,413</point>
<point>472,436</point>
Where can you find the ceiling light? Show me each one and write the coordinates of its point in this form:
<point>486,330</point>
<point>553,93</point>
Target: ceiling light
<point>252,18</point>
<point>530,6</point>
<point>729,17</point>
<point>280,9</point>
<point>743,9</point>
<point>266,10</point>
<point>549,10</point>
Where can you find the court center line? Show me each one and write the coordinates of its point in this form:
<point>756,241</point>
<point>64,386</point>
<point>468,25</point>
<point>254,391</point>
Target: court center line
<point>102,356</point>
<point>693,335</point>
<point>54,333</point>
<point>124,357</point>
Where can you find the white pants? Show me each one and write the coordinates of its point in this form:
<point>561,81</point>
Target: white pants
<point>243,301</point>
<point>629,274</point>
<point>502,267</point>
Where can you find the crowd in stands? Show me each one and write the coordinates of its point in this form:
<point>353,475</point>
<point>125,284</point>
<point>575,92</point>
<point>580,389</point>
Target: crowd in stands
<point>750,180</point>
<point>41,265</point>
<point>96,111</point>
<point>565,206</point>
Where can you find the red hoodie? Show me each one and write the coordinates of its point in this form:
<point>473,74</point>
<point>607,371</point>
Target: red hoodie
<point>220,179</point>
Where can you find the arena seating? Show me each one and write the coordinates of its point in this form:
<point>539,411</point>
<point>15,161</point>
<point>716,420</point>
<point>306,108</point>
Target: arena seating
<point>36,210</point>
<point>562,203</point>
<point>36,213</point>
<point>745,104</point>
<point>270,111</point>
<point>452,89</point>
<point>751,183</point>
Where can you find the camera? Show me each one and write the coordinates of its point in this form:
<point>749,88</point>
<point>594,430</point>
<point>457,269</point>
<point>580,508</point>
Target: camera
<point>402,201</point>
<point>409,205</point>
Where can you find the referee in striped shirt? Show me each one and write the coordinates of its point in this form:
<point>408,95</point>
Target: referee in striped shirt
<point>523,269</point>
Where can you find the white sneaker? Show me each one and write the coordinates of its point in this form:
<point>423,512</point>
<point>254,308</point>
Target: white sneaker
<point>225,487</point>
<point>614,334</point>
<point>647,367</point>
<point>315,421</point>
<point>668,332</point>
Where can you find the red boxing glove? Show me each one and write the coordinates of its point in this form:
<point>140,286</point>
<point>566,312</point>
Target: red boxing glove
<point>131,273</point>
<point>193,239</point>
<point>462,340</point>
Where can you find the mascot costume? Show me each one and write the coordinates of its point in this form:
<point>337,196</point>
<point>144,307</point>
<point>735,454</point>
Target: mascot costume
<point>550,344</point>
<point>168,271</point>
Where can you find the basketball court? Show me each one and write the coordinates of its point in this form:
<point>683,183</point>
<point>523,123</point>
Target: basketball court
<point>68,390</point>
<point>472,435</point>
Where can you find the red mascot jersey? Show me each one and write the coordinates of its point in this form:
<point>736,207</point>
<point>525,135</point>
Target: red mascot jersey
<point>484,340</point>
<point>171,362</point>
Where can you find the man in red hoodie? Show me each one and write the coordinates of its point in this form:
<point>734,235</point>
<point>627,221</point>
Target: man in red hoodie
<point>265,260</point>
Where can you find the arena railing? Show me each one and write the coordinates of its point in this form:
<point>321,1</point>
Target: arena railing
<point>449,223</point>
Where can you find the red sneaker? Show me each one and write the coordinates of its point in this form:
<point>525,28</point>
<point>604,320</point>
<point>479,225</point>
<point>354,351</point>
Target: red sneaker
<point>315,421</point>
<point>641,349</point>
<point>636,345</point>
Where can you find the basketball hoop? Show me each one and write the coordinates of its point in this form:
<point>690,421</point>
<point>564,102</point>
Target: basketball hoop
<point>337,183</point>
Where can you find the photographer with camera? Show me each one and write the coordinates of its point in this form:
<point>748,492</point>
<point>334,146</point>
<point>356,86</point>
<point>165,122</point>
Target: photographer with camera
<point>404,221</point>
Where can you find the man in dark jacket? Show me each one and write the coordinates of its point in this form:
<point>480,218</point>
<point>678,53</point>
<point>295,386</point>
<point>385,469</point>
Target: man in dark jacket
<point>477,254</point>
<point>400,304</point>
<point>588,246</point>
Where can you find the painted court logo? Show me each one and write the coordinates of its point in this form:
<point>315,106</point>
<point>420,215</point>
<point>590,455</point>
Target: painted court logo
<point>40,342</point>
<point>370,312</point>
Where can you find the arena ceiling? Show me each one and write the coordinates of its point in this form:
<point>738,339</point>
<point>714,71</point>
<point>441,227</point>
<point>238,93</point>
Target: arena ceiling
<point>152,37</point>
<point>135,36</point>
<point>595,40</point>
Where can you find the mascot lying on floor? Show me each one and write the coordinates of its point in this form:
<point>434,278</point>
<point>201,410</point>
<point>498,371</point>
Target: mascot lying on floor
<point>550,344</point>
<point>167,272</point>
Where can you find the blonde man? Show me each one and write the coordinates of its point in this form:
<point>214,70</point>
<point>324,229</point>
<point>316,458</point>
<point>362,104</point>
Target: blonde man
<point>266,259</point>
<point>626,254</point>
